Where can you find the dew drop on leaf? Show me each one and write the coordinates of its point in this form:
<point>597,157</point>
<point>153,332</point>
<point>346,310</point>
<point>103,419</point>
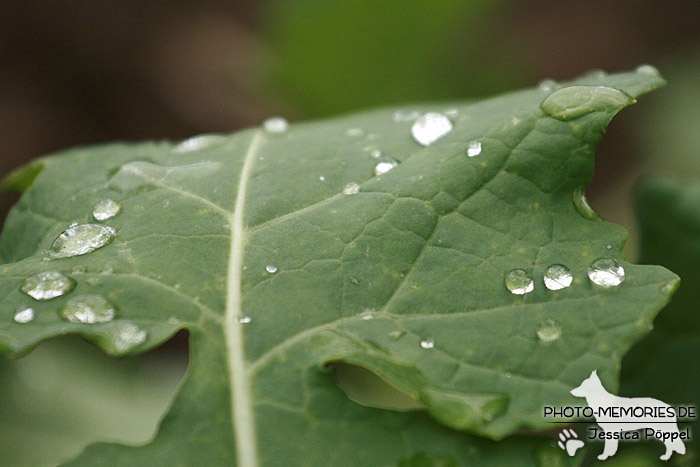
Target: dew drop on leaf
<point>81,239</point>
<point>549,331</point>
<point>351,188</point>
<point>647,70</point>
<point>105,209</point>
<point>276,125</point>
<point>606,272</point>
<point>375,153</point>
<point>127,336</point>
<point>547,85</point>
<point>557,277</point>
<point>430,128</point>
<point>519,282</point>
<point>199,142</point>
<point>427,343</point>
<point>271,268</point>
<point>24,315</point>
<point>47,285</point>
<point>354,132</point>
<point>384,165</point>
<point>572,102</point>
<point>88,309</point>
<point>244,319</point>
<point>474,149</point>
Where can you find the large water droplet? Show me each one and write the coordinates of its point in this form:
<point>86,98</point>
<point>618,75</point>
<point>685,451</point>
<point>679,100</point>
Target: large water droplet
<point>105,209</point>
<point>24,315</point>
<point>519,282</point>
<point>557,277</point>
<point>427,343</point>
<point>127,336</point>
<point>549,331</point>
<point>47,285</point>
<point>351,188</point>
<point>606,272</point>
<point>271,268</point>
<point>199,142</point>
<point>582,206</point>
<point>88,309</point>
<point>384,165</point>
<point>430,128</point>
<point>406,115</point>
<point>276,125</point>
<point>81,239</point>
<point>575,101</point>
<point>474,149</point>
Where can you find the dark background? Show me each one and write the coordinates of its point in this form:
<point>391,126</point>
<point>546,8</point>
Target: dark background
<point>84,72</point>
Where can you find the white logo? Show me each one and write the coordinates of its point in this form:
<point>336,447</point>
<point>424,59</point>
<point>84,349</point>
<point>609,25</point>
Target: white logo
<point>569,442</point>
<point>617,415</point>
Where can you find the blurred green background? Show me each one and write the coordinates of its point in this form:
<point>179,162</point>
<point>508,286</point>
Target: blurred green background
<point>76,73</point>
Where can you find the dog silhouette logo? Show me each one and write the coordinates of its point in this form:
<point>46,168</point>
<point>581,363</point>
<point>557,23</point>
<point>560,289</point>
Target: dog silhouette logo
<point>616,415</point>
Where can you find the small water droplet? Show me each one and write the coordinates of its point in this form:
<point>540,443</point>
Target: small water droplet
<point>427,343</point>
<point>396,335</point>
<point>608,247</point>
<point>547,85</point>
<point>127,336</point>
<point>572,102</point>
<point>276,125</point>
<point>351,188</point>
<point>88,309</point>
<point>271,268</point>
<point>105,209</point>
<point>244,319</point>
<point>648,70</point>
<point>81,239</point>
<point>549,331</point>
<point>354,132</point>
<point>406,115</point>
<point>451,112</point>
<point>582,206</point>
<point>519,282</point>
<point>24,315</point>
<point>557,277</point>
<point>474,149</point>
<point>375,153</point>
<point>367,314</point>
<point>199,142</point>
<point>47,285</point>
<point>322,178</point>
<point>430,128</point>
<point>384,165</point>
<point>606,272</point>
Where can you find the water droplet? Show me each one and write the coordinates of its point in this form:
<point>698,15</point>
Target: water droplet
<point>648,70</point>
<point>199,142</point>
<point>127,336</point>
<point>375,153</point>
<point>367,314</point>
<point>582,206</point>
<point>451,112</point>
<point>351,188</point>
<point>322,178</point>
<point>474,149</point>
<point>81,239</point>
<point>608,247</point>
<point>549,331</point>
<point>354,132</point>
<point>276,125</point>
<point>406,115</point>
<point>88,309</point>
<point>606,272</point>
<point>384,165</point>
<point>47,285</point>
<point>547,85</point>
<point>519,282</point>
<point>24,315</point>
<point>105,209</point>
<point>396,335</point>
<point>575,101</point>
<point>427,343</point>
<point>557,277</point>
<point>244,319</point>
<point>271,268</point>
<point>430,128</point>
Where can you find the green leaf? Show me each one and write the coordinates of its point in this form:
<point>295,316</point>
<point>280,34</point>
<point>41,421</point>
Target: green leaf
<point>248,242</point>
<point>666,364</point>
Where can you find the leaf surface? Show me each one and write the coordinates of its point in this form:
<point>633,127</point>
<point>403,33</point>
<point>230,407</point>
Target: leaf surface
<point>248,242</point>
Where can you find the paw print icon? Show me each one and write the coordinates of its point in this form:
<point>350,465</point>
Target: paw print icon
<point>569,442</point>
